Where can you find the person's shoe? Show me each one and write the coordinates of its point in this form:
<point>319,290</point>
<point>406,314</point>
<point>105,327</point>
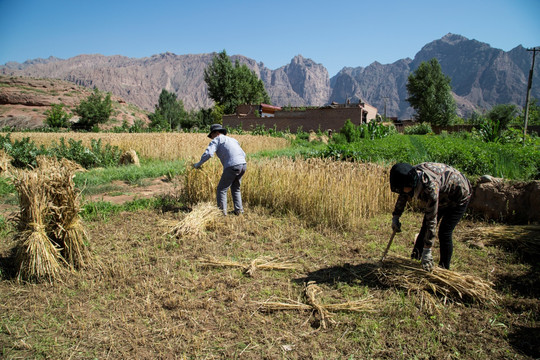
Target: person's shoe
<point>238,212</point>
<point>416,254</point>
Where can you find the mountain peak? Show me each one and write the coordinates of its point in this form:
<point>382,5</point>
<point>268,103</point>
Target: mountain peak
<point>453,39</point>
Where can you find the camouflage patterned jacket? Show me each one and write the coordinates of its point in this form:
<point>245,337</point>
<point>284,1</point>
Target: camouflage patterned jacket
<point>439,186</point>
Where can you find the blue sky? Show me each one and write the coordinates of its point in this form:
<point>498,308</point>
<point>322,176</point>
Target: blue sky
<point>333,33</point>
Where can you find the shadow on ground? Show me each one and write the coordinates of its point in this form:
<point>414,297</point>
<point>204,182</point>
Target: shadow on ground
<point>364,273</point>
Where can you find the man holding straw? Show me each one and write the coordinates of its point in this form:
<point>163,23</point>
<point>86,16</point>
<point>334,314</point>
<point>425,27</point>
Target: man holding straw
<point>233,159</point>
<point>445,193</point>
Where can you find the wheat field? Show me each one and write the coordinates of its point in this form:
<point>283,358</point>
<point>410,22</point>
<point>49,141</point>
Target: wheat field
<point>337,194</point>
<point>162,146</point>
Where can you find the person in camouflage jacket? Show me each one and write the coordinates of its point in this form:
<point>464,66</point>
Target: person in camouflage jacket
<point>445,194</point>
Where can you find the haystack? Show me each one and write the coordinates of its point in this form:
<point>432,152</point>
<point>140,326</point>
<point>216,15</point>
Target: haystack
<point>196,221</point>
<point>439,285</point>
<point>129,158</point>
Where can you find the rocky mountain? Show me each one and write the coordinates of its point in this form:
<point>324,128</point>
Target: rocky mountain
<point>482,76</point>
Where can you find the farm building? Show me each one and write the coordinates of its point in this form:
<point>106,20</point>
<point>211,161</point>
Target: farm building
<point>330,117</point>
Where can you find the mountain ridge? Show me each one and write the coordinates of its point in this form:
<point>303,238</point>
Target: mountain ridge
<point>481,76</point>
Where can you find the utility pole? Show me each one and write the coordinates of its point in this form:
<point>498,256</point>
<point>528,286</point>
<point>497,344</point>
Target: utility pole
<point>529,85</point>
<point>385,98</point>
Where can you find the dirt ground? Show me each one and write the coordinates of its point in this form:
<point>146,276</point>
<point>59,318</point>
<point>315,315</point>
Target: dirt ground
<point>149,296</point>
<point>125,192</point>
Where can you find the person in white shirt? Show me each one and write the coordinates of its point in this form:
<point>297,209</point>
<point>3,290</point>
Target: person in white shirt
<point>233,159</point>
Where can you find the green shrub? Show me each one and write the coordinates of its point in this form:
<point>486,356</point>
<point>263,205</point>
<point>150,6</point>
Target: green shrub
<point>473,157</point>
<point>418,129</point>
<point>23,152</point>
<point>57,117</point>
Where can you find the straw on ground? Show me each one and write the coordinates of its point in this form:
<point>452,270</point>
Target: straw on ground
<point>249,268</point>
<point>323,312</point>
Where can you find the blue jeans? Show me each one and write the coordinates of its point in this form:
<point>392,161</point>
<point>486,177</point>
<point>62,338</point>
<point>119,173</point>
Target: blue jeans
<point>231,178</point>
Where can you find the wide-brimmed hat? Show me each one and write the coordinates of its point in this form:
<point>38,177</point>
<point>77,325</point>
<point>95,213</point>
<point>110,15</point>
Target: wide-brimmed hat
<point>217,127</point>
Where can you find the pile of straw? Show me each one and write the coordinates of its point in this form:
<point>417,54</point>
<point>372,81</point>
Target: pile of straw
<point>196,221</point>
<point>324,312</point>
<point>65,224</point>
<point>448,285</point>
<point>264,263</point>
<point>50,229</point>
<point>5,162</point>
<point>523,239</point>
<point>38,256</point>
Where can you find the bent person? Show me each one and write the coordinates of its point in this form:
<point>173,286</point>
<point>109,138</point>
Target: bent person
<point>233,159</point>
<point>445,194</point>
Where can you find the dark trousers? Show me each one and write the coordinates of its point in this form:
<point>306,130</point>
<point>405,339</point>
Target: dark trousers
<point>447,219</point>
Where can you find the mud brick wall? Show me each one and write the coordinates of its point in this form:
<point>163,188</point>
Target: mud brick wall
<point>310,119</point>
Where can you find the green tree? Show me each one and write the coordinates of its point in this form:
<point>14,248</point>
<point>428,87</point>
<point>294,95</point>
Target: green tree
<point>496,122</point>
<point>250,88</point>
<point>57,117</point>
<point>430,94</point>
<point>169,112</point>
<point>232,85</point>
<point>95,109</point>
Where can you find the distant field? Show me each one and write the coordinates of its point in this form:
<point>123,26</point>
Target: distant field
<point>164,146</point>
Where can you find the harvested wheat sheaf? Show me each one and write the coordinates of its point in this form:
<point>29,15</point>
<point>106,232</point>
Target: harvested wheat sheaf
<point>65,221</point>
<point>321,310</point>
<point>50,230</point>
<point>249,268</point>
<point>196,221</point>
<point>441,284</point>
<point>5,162</point>
<point>524,239</point>
<point>37,256</point>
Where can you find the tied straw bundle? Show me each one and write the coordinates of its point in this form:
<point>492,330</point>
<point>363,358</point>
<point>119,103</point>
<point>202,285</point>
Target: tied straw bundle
<point>265,263</point>
<point>451,285</point>
<point>66,223</point>
<point>323,311</point>
<point>50,230</point>
<point>5,162</point>
<point>196,221</point>
<point>37,256</point>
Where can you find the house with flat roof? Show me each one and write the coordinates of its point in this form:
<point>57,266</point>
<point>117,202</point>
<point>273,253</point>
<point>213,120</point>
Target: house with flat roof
<point>329,117</point>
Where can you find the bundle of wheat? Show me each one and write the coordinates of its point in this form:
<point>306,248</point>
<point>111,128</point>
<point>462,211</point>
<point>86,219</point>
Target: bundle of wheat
<point>450,285</point>
<point>249,268</point>
<point>196,221</point>
<point>37,256</point>
<point>524,239</point>
<point>324,311</point>
<point>5,162</point>
<point>50,229</point>
<point>65,223</point>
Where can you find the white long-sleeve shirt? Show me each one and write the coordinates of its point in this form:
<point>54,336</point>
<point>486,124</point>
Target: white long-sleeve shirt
<point>227,149</point>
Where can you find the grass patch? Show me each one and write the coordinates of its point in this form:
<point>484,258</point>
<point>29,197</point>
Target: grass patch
<point>131,174</point>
